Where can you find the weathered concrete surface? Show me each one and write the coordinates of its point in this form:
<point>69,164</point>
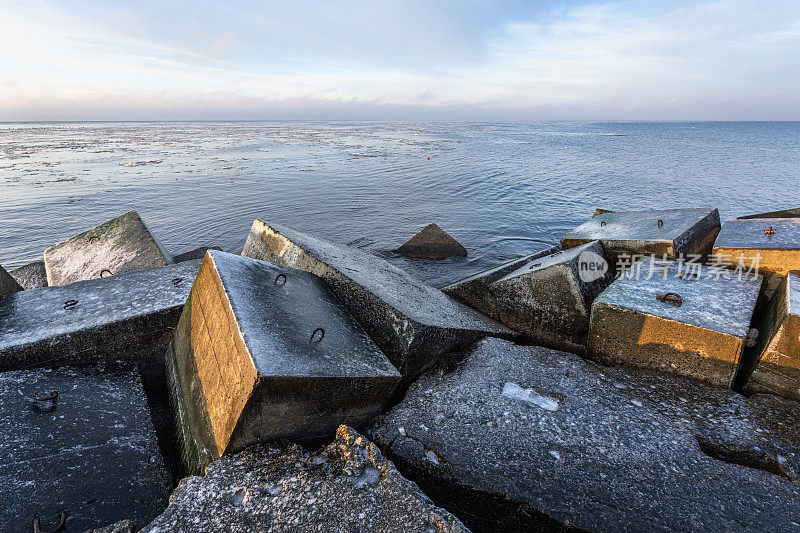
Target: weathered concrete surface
<point>123,244</point>
<point>92,452</point>
<point>777,369</point>
<point>432,243</point>
<point>413,323</point>
<point>264,352</point>
<point>682,231</point>
<point>8,284</point>
<point>751,241</point>
<point>123,526</point>
<point>522,438</point>
<point>547,299</point>
<point>113,318</point>
<point>786,213</point>
<point>347,486</point>
<point>197,253</point>
<point>703,338</point>
<point>31,276</point>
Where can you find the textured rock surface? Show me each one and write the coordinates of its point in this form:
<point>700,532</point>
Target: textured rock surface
<point>123,244</point>
<point>264,352</point>
<point>703,338</point>
<point>31,276</point>
<point>92,452</point>
<point>123,526</point>
<point>776,253</point>
<point>114,318</point>
<point>526,438</point>
<point>8,284</point>
<point>432,243</point>
<point>347,486</point>
<point>197,253</point>
<point>413,323</point>
<point>682,231</point>
<point>547,298</point>
<point>786,213</point>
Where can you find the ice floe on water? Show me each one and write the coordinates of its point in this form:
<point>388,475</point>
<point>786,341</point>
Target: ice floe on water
<point>515,392</point>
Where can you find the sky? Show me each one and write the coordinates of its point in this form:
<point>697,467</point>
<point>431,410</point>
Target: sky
<point>399,60</point>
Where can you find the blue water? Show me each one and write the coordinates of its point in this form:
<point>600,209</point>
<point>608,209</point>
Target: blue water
<point>501,189</point>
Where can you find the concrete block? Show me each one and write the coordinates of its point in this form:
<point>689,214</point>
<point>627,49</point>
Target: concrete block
<point>703,337</point>
<point>777,368</point>
<point>785,213</point>
<point>31,276</point>
<point>105,319</point>
<point>264,352</point>
<point>412,322</point>
<point>432,243</point>
<point>525,438</point>
<point>346,486</point>
<point>669,232</point>
<point>547,299</point>
<point>773,244</point>
<point>197,253</point>
<point>8,284</point>
<point>123,244</point>
<point>91,451</point>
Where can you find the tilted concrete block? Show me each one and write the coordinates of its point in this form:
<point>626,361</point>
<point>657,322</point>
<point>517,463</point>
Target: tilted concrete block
<point>8,284</point>
<point>669,232</point>
<point>264,352</point>
<point>197,253</point>
<point>412,322</point>
<point>90,450</point>
<point>123,244</point>
<point>548,298</point>
<point>432,242</point>
<point>121,317</point>
<point>703,337</point>
<point>31,276</point>
<point>777,368</point>
<point>785,213</point>
<point>772,244</point>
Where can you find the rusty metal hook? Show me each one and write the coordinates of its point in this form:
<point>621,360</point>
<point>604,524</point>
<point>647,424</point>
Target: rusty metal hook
<point>321,331</point>
<point>106,270</point>
<point>62,521</point>
<point>534,266</point>
<point>176,281</point>
<point>49,398</point>
<point>69,304</point>
<point>280,277</point>
<point>769,232</point>
<point>93,239</point>
<point>660,223</point>
<point>602,223</point>
<point>670,298</point>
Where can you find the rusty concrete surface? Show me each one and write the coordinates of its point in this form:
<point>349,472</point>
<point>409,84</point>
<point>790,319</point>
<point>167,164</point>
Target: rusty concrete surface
<point>752,241</point>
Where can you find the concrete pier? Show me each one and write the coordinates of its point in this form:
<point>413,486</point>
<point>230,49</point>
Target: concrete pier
<point>31,276</point>
<point>8,284</point>
<point>123,244</point>
<point>663,232</point>
<point>264,352</point>
<point>639,321</point>
<point>772,244</point>
<point>547,299</point>
<point>413,323</point>
<point>87,447</point>
<point>105,319</point>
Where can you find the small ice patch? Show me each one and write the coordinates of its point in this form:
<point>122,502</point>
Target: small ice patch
<point>515,392</point>
<point>432,457</point>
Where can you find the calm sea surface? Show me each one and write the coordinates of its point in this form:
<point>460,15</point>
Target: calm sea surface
<point>501,189</point>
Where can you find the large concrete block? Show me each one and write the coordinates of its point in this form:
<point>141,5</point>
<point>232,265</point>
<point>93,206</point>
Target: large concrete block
<point>264,352</point>
<point>785,213</point>
<point>669,232</point>
<point>8,284</point>
<point>703,337</point>
<point>413,323</point>
<point>432,242</point>
<point>777,368</point>
<point>123,244</point>
<point>524,438</point>
<point>91,451</point>
<point>771,244</point>
<point>113,318</point>
<point>31,276</point>
<point>548,299</point>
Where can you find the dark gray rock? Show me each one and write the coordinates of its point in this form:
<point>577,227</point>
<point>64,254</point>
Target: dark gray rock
<point>123,244</point>
<point>526,438</point>
<point>8,284</point>
<point>704,337</point>
<point>264,352</point>
<point>547,299</point>
<point>786,213</point>
<point>432,243</point>
<point>113,318</point>
<point>91,452</point>
<point>123,526</point>
<point>31,276</point>
<point>413,323</point>
<point>197,253</point>
<point>770,244</point>
<point>347,486</point>
<point>670,232</point>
